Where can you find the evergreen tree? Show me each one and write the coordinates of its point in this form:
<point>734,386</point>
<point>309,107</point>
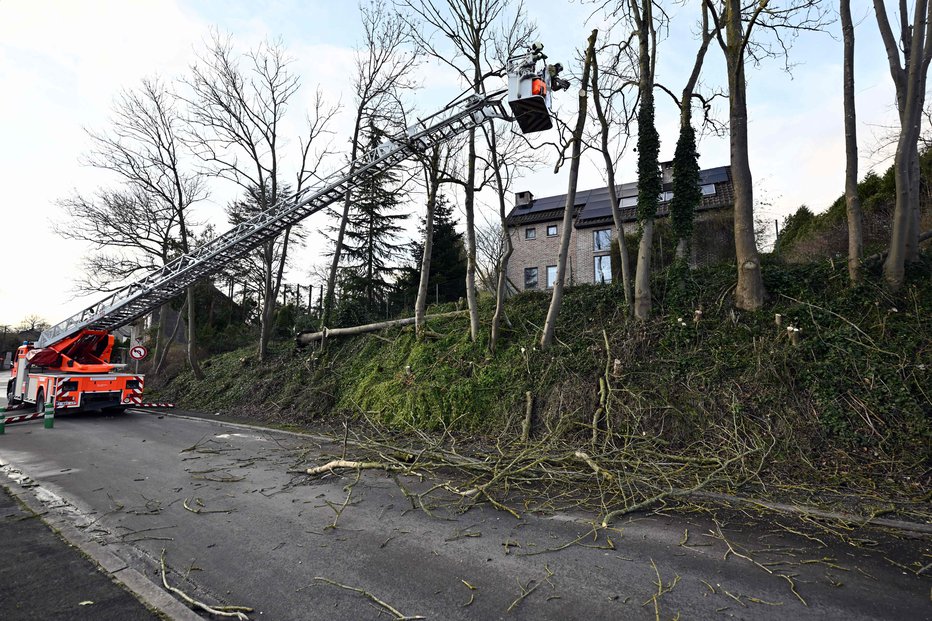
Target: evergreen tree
<point>447,259</point>
<point>369,247</point>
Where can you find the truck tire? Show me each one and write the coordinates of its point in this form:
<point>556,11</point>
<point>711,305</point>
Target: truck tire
<point>10,395</point>
<point>40,401</point>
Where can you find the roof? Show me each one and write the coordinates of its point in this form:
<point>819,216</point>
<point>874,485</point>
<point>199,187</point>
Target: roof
<point>593,207</point>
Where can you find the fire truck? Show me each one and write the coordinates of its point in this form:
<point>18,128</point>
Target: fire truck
<point>70,365</point>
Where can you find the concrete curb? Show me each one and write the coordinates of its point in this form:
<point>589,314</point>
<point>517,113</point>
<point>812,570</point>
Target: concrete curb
<point>144,589</point>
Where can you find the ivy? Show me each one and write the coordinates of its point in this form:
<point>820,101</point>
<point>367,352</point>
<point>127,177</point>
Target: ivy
<point>686,191</point>
<point>650,183</point>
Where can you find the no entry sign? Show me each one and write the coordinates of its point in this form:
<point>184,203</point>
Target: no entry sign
<point>139,352</point>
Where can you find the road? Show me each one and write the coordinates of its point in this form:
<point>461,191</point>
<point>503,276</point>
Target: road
<point>255,534</point>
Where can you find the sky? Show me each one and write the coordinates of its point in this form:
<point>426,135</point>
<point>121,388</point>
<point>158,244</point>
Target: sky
<point>62,63</point>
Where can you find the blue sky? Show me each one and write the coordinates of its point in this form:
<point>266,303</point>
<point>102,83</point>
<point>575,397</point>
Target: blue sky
<point>61,64</point>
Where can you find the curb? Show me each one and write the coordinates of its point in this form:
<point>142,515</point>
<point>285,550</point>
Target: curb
<point>145,590</point>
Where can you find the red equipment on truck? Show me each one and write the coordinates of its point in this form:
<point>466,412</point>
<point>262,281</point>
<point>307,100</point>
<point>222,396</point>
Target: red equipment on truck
<point>69,366</point>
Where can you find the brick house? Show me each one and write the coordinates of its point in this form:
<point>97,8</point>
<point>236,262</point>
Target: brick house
<point>534,227</point>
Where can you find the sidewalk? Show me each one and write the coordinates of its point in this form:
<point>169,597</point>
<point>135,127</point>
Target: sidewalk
<point>42,577</point>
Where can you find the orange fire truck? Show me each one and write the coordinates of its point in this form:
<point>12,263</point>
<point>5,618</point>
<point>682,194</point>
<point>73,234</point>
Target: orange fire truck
<point>69,366</point>
<point>74,374</point>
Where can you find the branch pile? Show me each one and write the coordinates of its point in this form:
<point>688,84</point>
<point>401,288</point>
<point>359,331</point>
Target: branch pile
<point>618,476</point>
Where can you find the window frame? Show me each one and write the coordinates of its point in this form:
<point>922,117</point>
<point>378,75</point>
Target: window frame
<point>555,230</point>
<point>530,233</point>
<point>536,273</point>
<point>595,240</point>
<point>597,275</point>
<point>547,281</point>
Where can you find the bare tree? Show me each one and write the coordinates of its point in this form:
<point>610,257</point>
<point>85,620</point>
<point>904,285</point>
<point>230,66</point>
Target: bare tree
<point>33,322</point>
<point>509,155</point>
<point>381,76</point>
<point>740,22</point>
<point>608,115</point>
<point>909,77</point>
<point>556,299</point>
<point>852,199</point>
<point>235,128</point>
<point>433,178</point>
<point>483,34</point>
<point>149,220</point>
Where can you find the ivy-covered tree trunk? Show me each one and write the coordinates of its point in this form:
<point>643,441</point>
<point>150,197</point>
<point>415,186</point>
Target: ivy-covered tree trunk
<point>650,183</point>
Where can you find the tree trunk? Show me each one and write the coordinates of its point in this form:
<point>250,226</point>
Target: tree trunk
<point>556,299</point>
<point>910,91</point>
<point>852,199</point>
<point>306,338</point>
<point>420,305</point>
<point>612,188</point>
<point>749,293</point>
<point>649,185</point>
<point>501,288</point>
<point>469,206</point>
<point>642,301</point>
<point>192,337</point>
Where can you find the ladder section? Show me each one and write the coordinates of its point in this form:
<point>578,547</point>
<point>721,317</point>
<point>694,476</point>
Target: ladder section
<point>136,299</point>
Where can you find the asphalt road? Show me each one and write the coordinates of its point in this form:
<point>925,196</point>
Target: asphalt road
<point>262,537</point>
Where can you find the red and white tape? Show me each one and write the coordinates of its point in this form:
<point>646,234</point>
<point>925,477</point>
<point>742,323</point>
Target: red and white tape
<point>22,417</point>
<point>154,405</point>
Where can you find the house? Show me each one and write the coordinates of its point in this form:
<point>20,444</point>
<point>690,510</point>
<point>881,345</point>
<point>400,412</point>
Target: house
<point>534,227</point>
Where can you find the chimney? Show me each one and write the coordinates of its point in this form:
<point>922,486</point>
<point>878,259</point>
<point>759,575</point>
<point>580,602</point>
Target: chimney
<point>523,199</point>
<point>666,169</point>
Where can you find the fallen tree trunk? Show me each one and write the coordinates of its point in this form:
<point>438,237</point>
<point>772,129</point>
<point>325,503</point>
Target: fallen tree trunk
<point>306,338</point>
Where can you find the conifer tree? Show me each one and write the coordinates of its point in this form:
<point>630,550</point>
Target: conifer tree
<point>370,248</point>
<point>447,279</point>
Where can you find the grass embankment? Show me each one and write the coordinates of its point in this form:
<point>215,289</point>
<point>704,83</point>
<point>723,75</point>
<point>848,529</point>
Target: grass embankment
<point>850,404</point>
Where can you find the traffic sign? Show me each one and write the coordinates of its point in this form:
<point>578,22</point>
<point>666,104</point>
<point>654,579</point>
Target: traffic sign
<point>138,352</point>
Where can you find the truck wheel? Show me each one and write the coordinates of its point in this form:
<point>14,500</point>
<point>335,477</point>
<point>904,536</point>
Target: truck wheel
<point>10,395</point>
<point>40,402</point>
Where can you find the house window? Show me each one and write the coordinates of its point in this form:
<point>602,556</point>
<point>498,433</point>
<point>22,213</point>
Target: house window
<point>708,189</point>
<point>551,276</point>
<point>602,239</point>
<point>603,269</point>
<point>666,197</point>
<point>530,233</point>
<point>551,230</point>
<point>530,278</point>
<point>630,201</point>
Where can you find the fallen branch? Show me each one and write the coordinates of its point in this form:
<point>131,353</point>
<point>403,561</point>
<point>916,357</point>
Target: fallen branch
<point>306,338</point>
<point>236,612</point>
<point>388,607</point>
<point>348,464</point>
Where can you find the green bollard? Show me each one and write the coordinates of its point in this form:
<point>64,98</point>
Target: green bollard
<point>2,423</point>
<point>49,416</point>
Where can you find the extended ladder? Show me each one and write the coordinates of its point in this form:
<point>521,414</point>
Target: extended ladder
<point>135,300</point>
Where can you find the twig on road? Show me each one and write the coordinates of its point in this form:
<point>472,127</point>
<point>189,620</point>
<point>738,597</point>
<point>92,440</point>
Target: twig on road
<point>388,607</point>
<point>236,612</point>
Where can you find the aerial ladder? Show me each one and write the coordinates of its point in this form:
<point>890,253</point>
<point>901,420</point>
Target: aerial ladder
<point>70,366</point>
